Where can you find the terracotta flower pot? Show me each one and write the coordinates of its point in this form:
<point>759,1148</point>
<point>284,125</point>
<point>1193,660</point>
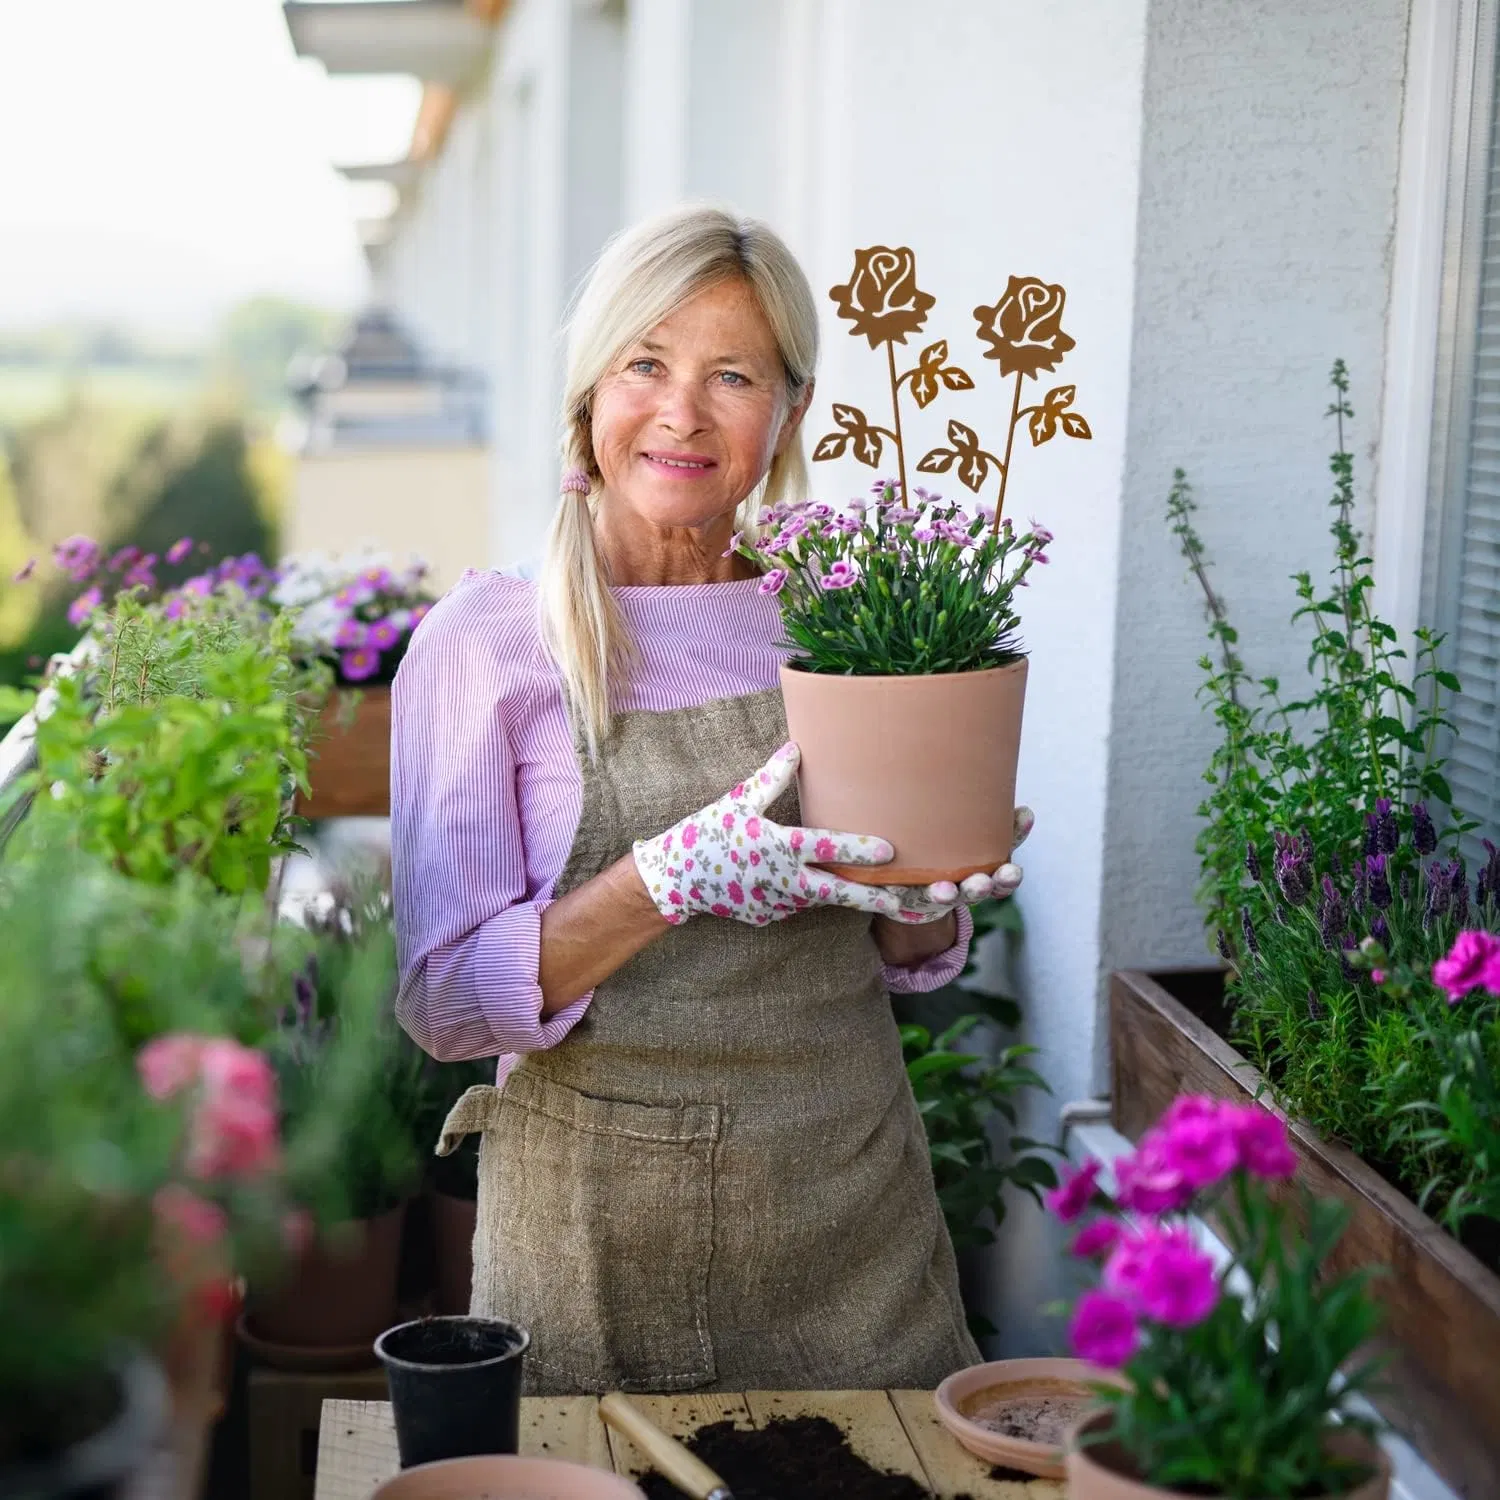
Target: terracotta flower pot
<point>340,1295</point>
<point>506,1479</point>
<point>927,763</point>
<point>1104,1472</point>
<point>453,1224</point>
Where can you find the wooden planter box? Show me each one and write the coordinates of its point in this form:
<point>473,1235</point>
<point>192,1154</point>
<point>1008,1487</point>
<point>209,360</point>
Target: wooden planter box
<point>349,768</point>
<point>1442,1306</point>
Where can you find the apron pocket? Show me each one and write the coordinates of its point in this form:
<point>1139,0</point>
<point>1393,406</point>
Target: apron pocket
<point>595,1232</point>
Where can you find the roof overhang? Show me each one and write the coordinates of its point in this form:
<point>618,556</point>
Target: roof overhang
<point>440,41</point>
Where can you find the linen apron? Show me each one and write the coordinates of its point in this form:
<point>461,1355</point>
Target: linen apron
<point>719,1179</point>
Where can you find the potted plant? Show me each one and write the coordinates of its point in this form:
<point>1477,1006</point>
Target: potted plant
<point>337,1038</point>
<point>1327,827</point>
<point>906,680</point>
<point>136,1178</point>
<point>1239,1382</point>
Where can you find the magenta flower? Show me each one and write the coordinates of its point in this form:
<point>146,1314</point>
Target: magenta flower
<point>1147,1183</point>
<point>419,613</point>
<point>359,664</point>
<point>352,634</point>
<point>690,836</point>
<point>1095,1239</point>
<point>126,557</point>
<point>78,557</point>
<point>353,596</point>
<point>1201,1148</point>
<point>1265,1150</point>
<point>825,850</point>
<point>179,550</point>
<point>176,607</point>
<point>383,635</point>
<point>1103,1330</point>
<point>140,574</point>
<point>774,581</point>
<point>1176,1283</point>
<point>1473,962</point>
<point>83,606</point>
<point>1069,1200</point>
<point>736,892</point>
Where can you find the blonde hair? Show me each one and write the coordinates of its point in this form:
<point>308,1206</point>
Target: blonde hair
<point>641,276</point>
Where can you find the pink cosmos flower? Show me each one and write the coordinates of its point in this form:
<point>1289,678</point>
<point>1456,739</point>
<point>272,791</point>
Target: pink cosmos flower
<point>351,634</point>
<point>187,1217</point>
<point>1103,1330</point>
<point>825,849</point>
<point>1069,1200</point>
<point>1147,1183</point>
<point>179,550</point>
<point>1265,1150</point>
<point>1473,962</point>
<point>736,892</point>
<point>83,606</point>
<point>774,581</point>
<point>1095,1239</point>
<point>359,664</point>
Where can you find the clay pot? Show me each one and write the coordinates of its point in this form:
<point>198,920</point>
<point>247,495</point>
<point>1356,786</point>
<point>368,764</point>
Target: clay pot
<point>336,1300</point>
<point>455,1386</point>
<point>107,1464</point>
<point>927,763</point>
<point>506,1479</point>
<point>1103,1472</point>
<point>453,1224</point>
<point>973,1404</point>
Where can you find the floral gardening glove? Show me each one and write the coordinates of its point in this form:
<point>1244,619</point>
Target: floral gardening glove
<point>730,860</point>
<point>931,903</point>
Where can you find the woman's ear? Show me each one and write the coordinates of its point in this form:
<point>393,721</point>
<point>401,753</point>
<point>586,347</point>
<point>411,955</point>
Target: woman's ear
<point>793,419</point>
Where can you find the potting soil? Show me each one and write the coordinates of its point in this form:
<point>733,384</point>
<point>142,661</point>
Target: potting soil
<point>790,1458</point>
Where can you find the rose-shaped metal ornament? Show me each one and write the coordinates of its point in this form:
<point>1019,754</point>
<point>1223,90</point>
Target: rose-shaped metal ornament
<point>1024,328</point>
<point>882,298</point>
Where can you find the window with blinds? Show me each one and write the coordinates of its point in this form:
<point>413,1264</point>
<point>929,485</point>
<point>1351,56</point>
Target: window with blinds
<point>1466,602</point>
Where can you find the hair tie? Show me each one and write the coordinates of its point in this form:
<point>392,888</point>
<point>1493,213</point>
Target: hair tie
<point>576,482</point>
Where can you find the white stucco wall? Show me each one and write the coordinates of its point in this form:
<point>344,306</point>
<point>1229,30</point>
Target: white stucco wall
<point>1268,183</point>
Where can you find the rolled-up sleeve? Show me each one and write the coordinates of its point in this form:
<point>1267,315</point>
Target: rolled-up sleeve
<point>468,937</point>
<point>933,973</point>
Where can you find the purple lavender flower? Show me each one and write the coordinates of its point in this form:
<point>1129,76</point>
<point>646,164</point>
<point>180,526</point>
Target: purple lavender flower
<point>1294,874</point>
<point>1252,943</point>
<point>1458,881</point>
<point>1381,932</point>
<point>1387,834</point>
<point>1423,834</point>
<point>1330,914</point>
<point>1361,887</point>
<point>1490,876</point>
<point>1225,951</point>
<point>1314,1006</point>
<point>1280,915</point>
<point>1379,882</point>
<point>1404,885</point>
<point>1347,945</point>
<point>1438,894</point>
<point>1252,861</point>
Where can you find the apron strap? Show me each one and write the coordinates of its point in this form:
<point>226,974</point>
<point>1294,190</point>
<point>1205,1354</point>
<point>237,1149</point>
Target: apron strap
<point>475,1110</point>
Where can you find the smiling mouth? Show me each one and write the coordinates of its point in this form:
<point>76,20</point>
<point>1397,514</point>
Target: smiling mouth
<point>684,465</point>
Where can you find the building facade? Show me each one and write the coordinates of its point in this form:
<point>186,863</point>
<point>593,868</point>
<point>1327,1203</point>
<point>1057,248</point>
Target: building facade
<point>1234,192</point>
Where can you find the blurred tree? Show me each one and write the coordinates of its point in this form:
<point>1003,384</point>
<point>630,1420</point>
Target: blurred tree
<point>257,340</point>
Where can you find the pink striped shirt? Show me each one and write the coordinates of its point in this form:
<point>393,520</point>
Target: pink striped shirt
<point>486,792</point>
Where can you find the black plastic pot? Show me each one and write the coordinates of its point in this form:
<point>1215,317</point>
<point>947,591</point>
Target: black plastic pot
<point>455,1386</point>
<point>105,1464</point>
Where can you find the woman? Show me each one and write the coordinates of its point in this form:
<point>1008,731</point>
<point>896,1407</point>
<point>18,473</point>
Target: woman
<point>701,1165</point>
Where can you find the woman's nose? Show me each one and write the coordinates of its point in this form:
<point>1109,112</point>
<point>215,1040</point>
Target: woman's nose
<point>682,411</point>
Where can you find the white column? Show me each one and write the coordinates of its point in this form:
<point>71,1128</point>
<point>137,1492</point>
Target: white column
<point>658,59</point>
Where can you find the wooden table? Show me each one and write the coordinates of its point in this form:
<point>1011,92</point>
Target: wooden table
<point>894,1430</point>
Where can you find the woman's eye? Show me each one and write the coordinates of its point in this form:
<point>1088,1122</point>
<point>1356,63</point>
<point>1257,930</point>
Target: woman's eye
<point>642,366</point>
<point>733,377</point>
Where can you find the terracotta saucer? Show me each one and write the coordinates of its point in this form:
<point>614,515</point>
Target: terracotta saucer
<point>989,1407</point>
<point>307,1358</point>
<point>506,1478</point>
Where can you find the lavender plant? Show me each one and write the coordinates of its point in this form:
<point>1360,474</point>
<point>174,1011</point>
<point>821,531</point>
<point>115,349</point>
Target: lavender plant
<point>883,588</point>
<point>1315,757</point>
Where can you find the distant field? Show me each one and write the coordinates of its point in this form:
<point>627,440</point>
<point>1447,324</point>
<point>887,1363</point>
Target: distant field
<point>27,391</point>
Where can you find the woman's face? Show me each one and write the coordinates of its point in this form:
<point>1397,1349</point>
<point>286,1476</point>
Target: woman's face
<point>688,419</point>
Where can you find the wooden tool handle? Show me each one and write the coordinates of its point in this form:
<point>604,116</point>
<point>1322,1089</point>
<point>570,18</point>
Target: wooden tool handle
<point>691,1475</point>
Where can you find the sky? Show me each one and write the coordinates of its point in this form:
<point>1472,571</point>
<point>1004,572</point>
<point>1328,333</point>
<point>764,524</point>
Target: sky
<point>163,159</point>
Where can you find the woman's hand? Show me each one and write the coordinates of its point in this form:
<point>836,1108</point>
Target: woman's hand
<point>730,860</point>
<point>931,903</point>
